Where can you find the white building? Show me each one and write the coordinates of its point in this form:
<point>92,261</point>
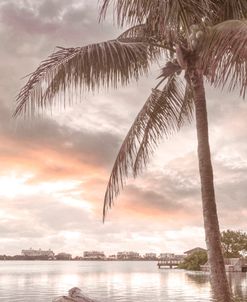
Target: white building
<point>37,253</point>
<point>94,255</point>
<point>166,255</point>
<point>128,255</point>
<point>231,265</point>
<point>150,256</point>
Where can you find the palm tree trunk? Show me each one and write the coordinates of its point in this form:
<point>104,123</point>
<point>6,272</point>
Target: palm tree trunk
<point>220,288</point>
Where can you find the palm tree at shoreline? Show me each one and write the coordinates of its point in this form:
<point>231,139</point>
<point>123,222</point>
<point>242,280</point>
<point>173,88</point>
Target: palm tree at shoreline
<point>198,40</point>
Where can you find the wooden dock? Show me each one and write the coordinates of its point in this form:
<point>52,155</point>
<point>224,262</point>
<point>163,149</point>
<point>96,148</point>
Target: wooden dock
<point>169,262</point>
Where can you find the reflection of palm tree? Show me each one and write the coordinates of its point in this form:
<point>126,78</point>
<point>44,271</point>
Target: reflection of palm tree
<point>194,37</point>
<point>238,282</point>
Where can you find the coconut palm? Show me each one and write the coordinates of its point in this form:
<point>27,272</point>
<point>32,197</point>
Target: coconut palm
<point>197,41</point>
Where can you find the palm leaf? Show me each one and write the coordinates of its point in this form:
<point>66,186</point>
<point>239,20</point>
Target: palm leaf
<point>90,67</point>
<point>229,10</point>
<point>170,69</point>
<point>142,33</point>
<point>187,109</point>
<point>158,14</point>
<point>134,32</point>
<point>163,113</point>
<point>225,54</point>
<point>174,108</point>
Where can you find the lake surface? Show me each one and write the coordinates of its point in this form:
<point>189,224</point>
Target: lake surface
<point>130,281</point>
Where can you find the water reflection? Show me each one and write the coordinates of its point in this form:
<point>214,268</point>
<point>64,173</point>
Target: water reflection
<point>200,278</point>
<point>107,281</point>
<point>238,282</point>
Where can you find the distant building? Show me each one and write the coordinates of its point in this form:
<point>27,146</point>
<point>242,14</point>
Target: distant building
<point>94,255</point>
<point>128,256</point>
<point>37,253</point>
<point>166,255</point>
<point>63,256</point>
<point>78,258</point>
<point>151,256</point>
<point>196,249</point>
<point>231,265</point>
<point>179,257</point>
<point>112,257</point>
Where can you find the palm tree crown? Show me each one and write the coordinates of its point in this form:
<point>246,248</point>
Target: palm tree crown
<point>168,31</point>
<point>193,39</point>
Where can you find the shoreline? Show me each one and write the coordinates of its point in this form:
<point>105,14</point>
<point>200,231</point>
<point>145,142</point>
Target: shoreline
<point>100,260</point>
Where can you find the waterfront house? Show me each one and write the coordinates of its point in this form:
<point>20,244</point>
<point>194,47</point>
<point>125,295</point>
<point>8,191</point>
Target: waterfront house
<point>150,256</point>
<point>32,253</point>
<point>166,255</point>
<point>231,265</point>
<point>128,256</point>
<point>94,255</point>
<point>194,250</point>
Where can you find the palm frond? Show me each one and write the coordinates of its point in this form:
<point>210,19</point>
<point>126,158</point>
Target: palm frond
<point>229,10</point>
<point>170,69</point>
<point>158,14</point>
<point>163,113</point>
<point>187,109</point>
<point>90,67</point>
<point>174,108</point>
<point>224,55</point>
<point>134,32</point>
<point>142,33</point>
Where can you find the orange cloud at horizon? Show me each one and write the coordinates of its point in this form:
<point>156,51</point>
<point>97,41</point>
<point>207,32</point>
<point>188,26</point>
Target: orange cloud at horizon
<point>44,162</point>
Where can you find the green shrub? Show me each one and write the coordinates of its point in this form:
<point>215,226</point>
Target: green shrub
<point>193,261</point>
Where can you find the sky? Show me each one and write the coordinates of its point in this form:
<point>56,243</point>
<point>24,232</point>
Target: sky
<point>55,168</point>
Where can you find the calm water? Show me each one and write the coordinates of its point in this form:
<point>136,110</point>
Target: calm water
<point>40,281</point>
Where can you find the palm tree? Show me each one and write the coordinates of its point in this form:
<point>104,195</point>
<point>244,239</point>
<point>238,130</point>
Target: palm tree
<point>198,40</point>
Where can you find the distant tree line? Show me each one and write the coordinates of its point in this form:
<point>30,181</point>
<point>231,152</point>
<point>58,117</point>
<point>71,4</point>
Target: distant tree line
<point>22,257</point>
<point>60,256</point>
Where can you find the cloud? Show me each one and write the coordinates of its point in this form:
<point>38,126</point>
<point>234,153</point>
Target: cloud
<point>54,169</point>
